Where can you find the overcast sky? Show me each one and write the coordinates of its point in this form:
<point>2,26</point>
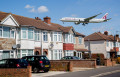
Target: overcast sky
<point>56,9</point>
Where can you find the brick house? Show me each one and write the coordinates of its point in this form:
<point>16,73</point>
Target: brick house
<point>22,36</point>
<point>99,43</point>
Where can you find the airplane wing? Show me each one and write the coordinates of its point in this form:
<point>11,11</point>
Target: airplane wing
<point>87,19</point>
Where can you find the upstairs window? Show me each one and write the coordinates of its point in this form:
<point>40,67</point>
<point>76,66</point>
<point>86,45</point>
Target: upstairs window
<point>55,36</point>
<point>24,33</point>
<point>6,32</point>
<point>12,32</point>
<point>30,34</point>
<point>68,38</point>
<point>59,36</point>
<point>80,40</point>
<point>0,31</point>
<point>107,43</point>
<point>45,36</point>
<point>37,35</point>
<point>74,40</point>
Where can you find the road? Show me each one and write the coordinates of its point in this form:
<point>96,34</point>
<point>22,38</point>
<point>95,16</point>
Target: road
<point>98,72</point>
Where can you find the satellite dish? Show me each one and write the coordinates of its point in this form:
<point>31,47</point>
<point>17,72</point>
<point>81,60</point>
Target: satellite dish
<point>14,47</point>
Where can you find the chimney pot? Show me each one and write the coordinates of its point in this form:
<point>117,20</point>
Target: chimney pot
<point>37,18</point>
<point>106,32</point>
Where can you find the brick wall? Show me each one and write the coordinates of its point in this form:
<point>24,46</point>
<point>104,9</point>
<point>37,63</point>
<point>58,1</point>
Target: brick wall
<point>108,62</point>
<point>15,72</point>
<point>57,65</point>
<point>67,65</point>
<point>7,43</point>
<point>84,63</point>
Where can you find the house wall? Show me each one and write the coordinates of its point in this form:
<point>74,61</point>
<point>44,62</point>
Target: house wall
<point>7,43</point>
<point>77,45</point>
<point>96,47</point>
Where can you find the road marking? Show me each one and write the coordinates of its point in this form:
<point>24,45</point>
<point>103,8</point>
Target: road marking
<point>106,73</point>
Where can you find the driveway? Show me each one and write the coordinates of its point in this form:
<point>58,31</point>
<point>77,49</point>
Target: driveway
<point>50,73</point>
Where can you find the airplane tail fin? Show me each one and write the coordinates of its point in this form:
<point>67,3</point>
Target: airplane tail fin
<point>105,16</point>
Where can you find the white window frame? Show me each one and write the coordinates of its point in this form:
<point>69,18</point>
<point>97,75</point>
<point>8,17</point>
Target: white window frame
<point>46,33</point>
<point>2,31</point>
<point>58,36</point>
<point>68,53</point>
<point>107,43</point>
<point>25,31</point>
<point>21,53</point>
<point>58,54</point>
<point>32,32</point>
<point>37,34</point>
<point>74,40</point>
<point>11,34</point>
<point>68,38</point>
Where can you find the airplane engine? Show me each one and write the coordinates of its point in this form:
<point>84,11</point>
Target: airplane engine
<point>76,23</point>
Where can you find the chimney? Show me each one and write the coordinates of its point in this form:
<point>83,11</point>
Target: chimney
<point>47,20</point>
<point>106,32</point>
<point>37,18</point>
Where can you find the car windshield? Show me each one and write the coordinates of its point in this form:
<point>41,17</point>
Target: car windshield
<point>77,57</point>
<point>43,58</point>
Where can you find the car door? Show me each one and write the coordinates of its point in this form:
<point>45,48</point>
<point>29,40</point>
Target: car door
<point>31,61</point>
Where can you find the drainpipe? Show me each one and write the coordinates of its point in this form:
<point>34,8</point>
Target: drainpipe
<point>89,48</point>
<point>115,45</point>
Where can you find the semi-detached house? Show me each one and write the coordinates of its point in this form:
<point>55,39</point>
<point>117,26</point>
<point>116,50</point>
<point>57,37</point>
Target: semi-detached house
<point>102,43</point>
<point>22,36</point>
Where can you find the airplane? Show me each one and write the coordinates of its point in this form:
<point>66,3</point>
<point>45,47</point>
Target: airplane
<point>86,20</point>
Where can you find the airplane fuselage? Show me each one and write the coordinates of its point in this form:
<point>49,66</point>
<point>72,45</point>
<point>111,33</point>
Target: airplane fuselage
<point>81,20</point>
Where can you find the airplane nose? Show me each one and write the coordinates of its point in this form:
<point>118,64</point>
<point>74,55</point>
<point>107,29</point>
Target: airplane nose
<point>61,19</point>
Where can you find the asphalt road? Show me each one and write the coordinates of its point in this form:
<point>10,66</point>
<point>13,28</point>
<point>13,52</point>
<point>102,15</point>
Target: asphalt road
<point>98,72</point>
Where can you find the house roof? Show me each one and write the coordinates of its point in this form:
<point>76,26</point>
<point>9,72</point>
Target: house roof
<point>79,34</point>
<point>25,21</point>
<point>99,36</point>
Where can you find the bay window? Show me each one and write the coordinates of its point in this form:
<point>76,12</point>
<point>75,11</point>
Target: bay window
<point>26,52</point>
<point>7,32</point>
<point>68,38</point>
<point>56,54</point>
<point>68,53</point>
<point>56,36</point>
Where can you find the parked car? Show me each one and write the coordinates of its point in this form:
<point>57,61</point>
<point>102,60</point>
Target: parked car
<point>70,58</point>
<point>38,63</point>
<point>13,63</point>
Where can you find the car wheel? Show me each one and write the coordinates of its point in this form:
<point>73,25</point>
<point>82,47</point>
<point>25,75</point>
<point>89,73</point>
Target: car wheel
<point>35,70</point>
<point>46,70</point>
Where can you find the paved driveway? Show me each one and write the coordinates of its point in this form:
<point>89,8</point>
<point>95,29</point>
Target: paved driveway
<point>50,73</point>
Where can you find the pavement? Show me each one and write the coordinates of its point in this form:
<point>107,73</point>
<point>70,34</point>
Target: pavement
<point>55,73</point>
<point>52,73</point>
